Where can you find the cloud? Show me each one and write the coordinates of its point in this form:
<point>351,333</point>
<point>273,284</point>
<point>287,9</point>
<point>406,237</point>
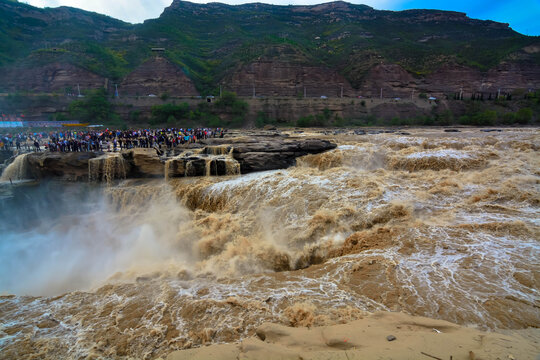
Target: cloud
<point>377,4</point>
<point>134,11</point>
<point>521,14</point>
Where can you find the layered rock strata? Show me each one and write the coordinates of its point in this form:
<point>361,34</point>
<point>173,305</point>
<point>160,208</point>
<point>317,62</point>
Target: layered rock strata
<point>277,78</point>
<point>54,77</point>
<point>215,158</point>
<point>158,76</point>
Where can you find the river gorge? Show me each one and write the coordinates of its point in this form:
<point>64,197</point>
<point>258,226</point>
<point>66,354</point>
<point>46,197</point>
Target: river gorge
<point>426,222</point>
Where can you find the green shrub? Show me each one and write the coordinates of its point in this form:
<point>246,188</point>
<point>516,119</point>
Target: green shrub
<point>135,116</point>
<point>486,118</point>
<point>509,118</point>
<point>162,113</point>
<point>230,102</point>
<point>524,116</point>
<point>263,119</point>
<point>305,121</point>
<point>95,107</point>
<point>61,117</point>
<point>445,118</point>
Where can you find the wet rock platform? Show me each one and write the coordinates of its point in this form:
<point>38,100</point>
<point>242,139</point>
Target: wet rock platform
<point>210,157</point>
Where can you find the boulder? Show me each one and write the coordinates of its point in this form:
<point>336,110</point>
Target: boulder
<point>145,163</point>
<point>272,154</point>
<point>224,157</point>
<point>195,166</point>
<point>261,161</point>
<point>67,166</point>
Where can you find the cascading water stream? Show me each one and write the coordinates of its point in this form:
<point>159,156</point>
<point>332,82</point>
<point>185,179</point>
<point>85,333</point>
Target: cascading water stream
<point>17,170</point>
<point>107,168</point>
<point>444,226</point>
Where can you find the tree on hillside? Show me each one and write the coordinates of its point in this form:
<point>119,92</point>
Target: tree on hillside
<point>95,107</point>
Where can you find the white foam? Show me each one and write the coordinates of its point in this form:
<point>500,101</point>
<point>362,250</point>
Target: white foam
<point>443,153</point>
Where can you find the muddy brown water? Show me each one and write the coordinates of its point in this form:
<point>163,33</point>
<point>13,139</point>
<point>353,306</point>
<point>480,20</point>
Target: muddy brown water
<point>443,225</point>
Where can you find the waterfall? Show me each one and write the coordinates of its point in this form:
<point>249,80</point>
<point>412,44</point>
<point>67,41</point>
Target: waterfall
<point>107,168</point>
<point>232,166</point>
<point>189,164</point>
<point>218,150</point>
<point>17,170</point>
<point>208,167</point>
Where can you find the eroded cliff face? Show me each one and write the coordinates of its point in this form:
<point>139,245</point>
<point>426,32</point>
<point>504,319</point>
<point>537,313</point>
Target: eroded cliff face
<point>280,78</point>
<point>158,76</point>
<point>507,76</point>
<point>49,78</point>
<point>391,78</point>
<point>395,81</point>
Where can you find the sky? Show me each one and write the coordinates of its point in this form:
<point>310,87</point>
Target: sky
<point>522,15</point>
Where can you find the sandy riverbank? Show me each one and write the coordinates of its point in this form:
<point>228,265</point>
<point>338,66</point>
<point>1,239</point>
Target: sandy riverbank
<point>368,338</point>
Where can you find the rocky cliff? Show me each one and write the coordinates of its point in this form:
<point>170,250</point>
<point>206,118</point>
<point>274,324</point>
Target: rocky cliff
<point>395,81</point>
<point>212,157</point>
<point>278,78</point>
<point>55,77</point>
<point>158,76</point>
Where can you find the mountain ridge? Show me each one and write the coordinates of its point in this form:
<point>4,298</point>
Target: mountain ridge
<point>212,42</point>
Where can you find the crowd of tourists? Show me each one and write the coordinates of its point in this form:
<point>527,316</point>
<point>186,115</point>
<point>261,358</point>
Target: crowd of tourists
<point>105,140</point>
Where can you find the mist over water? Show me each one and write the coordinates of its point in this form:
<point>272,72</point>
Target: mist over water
<point>62,237</point>
<point>433,224</point>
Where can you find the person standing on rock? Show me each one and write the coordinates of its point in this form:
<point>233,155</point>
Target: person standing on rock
<point>36,145</point>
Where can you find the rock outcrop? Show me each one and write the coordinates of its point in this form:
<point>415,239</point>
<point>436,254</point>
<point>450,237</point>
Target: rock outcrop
<point>450,78</point>
<point>277,78</point>
<point>270,153</point>
<point>55,77</point>
<point>145,163</point>
<point>64,166</point>
<point>216,157</point>
<point>507,76</point>
<point>391,78</point>
<point>224,156</point>
<point>155,77</point>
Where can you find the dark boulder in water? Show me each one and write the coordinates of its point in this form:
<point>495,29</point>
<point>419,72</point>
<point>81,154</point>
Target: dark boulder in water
<point>272,154</point>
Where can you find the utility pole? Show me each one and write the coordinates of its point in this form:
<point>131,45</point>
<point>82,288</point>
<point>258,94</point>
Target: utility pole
<point>304,92</point>
<point>381,93</point>
<point>342,91</point>
<point>220,90</point>
<point>412,95</point>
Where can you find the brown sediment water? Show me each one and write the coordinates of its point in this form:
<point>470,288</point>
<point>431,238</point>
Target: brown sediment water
<point>442,225</point>
<point>107,168</point>
<point>17,170</point>
<point>218,160</point>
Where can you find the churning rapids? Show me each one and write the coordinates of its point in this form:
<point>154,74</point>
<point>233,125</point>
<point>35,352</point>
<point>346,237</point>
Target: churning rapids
<point>443,225</point>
